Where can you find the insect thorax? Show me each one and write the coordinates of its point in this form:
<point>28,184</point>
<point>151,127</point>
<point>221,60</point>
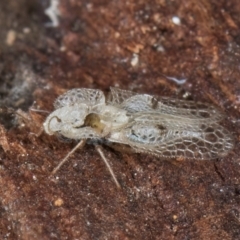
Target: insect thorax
<point>81,122</point>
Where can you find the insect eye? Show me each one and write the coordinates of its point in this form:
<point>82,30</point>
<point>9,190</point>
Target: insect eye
<point>93,120</point>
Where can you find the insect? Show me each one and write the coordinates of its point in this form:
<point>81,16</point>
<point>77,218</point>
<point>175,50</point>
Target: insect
<point>165,127</point>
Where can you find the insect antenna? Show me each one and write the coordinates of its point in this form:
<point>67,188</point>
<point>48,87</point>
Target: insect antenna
<point>99,149</point>
<point>79,145</point>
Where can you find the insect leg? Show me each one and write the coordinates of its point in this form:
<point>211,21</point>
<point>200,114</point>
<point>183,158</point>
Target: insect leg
<point>79,145</point>
<point>98,148</point>
<point>38,110</point>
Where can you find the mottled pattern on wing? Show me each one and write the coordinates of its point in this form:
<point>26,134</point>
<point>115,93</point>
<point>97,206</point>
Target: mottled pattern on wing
<point>136,103</point>
<point>117,96</point>
<point>195,110</point>
<point>169,122</point>
<point>189,109</point>
<point>141,103</point>
<point>210,141</point>
<point>76,96</point>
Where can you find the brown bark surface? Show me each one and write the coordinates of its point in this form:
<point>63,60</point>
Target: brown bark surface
<point>132,45</point>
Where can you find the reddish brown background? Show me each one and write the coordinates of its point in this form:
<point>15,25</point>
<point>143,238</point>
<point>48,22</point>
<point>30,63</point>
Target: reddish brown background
<point>93,47</point>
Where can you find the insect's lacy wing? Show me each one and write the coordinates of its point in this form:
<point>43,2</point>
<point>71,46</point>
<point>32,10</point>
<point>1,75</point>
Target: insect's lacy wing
<point>117,96</point>
<point>171,122</point>
<point>211,141</point>
<point>143,103</point>
<point>80,95</point>
<point>190,109</point>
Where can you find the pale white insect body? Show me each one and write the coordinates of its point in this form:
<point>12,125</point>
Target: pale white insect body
<point>161,126</point>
